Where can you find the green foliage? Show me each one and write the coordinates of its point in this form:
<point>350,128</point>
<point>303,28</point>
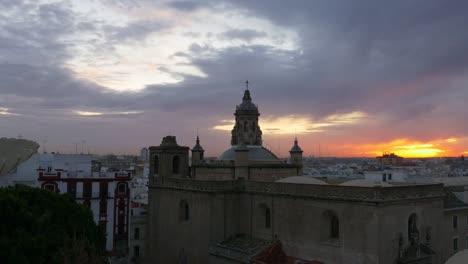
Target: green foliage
<point>39,226</point>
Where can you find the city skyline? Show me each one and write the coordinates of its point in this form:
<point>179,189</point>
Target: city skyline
<point>350,79</point>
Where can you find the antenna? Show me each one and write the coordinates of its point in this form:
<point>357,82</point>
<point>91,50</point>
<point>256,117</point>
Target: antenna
<point>44,142</point>
<point>83,142</point>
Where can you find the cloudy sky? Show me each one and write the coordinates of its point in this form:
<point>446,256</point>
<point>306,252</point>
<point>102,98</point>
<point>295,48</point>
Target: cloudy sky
<point>351,78</point>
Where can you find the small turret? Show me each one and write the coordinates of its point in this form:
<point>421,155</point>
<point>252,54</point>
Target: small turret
<point>296,156</point>
<point>169,159</point>
<point>197,152</point>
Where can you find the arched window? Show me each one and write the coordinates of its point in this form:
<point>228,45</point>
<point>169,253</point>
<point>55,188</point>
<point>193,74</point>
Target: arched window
<point>175,165</point>
<point>267,218</point>
<point>184,213</point>
<point>263,217</point>
<point>253,126</point>
<point>156,164</point>
<point>331,226</point>
<point>413,232</point>
<point>245,126</point>
<point>334,227</point>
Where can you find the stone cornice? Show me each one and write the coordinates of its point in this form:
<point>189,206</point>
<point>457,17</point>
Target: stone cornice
<point>307,191</point>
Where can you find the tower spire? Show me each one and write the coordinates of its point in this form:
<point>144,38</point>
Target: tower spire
<point>247,84</point>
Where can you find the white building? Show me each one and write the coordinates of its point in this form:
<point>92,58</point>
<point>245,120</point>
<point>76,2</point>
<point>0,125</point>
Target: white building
<point>105,193</point>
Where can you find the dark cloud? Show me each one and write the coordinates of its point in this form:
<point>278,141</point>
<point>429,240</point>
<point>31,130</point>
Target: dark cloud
<point>185,6</point>
<point>242,34</point>
<point>405,62</point>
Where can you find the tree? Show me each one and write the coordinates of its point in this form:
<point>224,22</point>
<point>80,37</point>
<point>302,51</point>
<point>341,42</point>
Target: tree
<point>40,226</point>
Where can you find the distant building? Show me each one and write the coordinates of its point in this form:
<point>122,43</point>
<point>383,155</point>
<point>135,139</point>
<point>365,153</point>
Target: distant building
<point>390,159</point>
<point>143,155</point>
<point>138,230</point>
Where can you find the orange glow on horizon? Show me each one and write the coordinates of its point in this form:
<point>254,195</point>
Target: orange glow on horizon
<point>408,148</point>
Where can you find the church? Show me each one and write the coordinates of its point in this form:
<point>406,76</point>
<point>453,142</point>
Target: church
<point>249,206</point>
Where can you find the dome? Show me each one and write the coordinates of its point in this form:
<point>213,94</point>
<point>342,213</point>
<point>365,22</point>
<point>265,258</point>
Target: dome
<point>365,183</point>
<point>458,258</point>
<point>255,153</point>
<point>247,104</point>
<point>296,147</point>
<point>301,180</point>
<point>198,147</point>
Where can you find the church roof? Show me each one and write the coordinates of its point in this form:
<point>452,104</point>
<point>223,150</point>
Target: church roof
<point>247,104</point>
<point>459,258</point>
<point>197,146</point>
<point>255,153</point>
<point>296,147</point>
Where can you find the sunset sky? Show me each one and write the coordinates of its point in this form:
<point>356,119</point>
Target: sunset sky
<point>351,78</point>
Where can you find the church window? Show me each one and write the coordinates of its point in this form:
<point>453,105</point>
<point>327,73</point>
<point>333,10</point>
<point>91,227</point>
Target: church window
<point>455,221</point>
<point>184,211</point>
<point>175,165</point>
<point>413,231</point>
<point>267,218</point>
<point>253,126</point>
<point>156,164</point>
<point>455,244</point>
<point>245,126</point>
<point>334,227</point>
<point>331,229</point>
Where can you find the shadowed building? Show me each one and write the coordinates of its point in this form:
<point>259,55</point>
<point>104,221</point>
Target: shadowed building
<point>251,207</point>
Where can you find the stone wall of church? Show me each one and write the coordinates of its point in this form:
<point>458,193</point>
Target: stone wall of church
<point>394,220</point>
<point>454,231</point>
<point>213,173</point>
<point>211,218</point>
<point>367,233</point>
<point>369,224</point>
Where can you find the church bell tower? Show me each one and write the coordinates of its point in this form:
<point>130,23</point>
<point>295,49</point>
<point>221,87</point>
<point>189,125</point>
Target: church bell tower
<point>246,130</point>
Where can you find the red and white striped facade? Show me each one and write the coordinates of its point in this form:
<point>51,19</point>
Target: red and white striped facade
<point>107,194</point>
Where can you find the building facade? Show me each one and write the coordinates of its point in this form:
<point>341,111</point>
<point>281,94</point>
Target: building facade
<point>105,193</point>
